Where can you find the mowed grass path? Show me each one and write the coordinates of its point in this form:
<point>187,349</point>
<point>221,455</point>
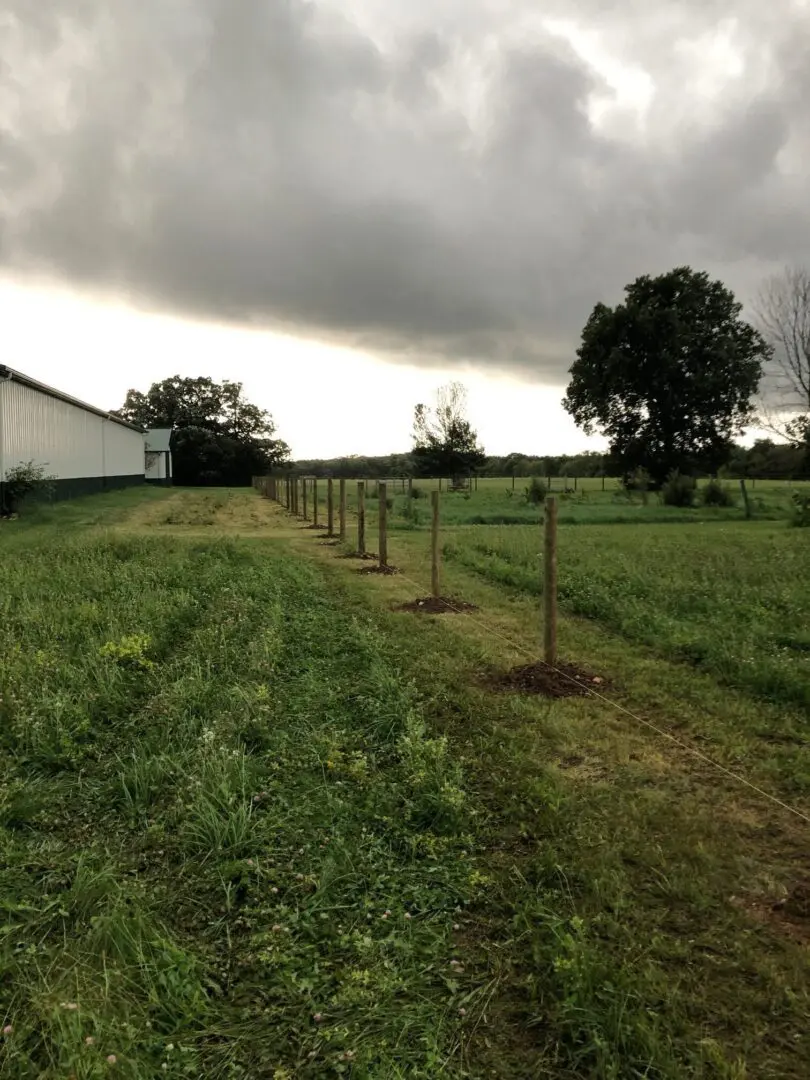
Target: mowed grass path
<point>222,816</point>
<point>254,824</point>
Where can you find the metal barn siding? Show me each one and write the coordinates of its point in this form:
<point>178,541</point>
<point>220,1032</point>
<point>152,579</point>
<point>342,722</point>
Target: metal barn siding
<point>83,448</point>
<point>50,432</point>
<point>123,451</point>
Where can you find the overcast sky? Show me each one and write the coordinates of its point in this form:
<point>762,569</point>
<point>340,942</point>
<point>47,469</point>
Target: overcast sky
<point>345,202</point>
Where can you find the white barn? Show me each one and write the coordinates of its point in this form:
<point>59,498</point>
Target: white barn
<point>83,448</point>
<point>158,456</point>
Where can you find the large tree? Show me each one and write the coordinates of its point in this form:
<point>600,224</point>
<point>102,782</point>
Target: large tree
<point>783,316</point>
<point>668,375</point>
<point>445,443</point>
<point>219,437</point>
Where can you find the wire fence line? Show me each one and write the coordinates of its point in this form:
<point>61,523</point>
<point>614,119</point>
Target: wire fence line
<point>288,502</point>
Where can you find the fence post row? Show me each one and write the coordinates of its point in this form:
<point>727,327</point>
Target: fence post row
<point>361,517</point>
<point>550,583</point>
<point>382,517</point>
<point>330,507</point>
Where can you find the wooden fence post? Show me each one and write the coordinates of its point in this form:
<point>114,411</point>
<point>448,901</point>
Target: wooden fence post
<point>304,497</point>
<point>330,507</point>
<point>550,583</point>
<point>440,483</point>
<point>361,517</point>
<point>297,496</point>
<point>603,481</point>
<point>342,510</point>
<point>410,487</point>
<point>747,504</point>
<point>435,578</point>
<point>382,518</point>
<point>314,500</point>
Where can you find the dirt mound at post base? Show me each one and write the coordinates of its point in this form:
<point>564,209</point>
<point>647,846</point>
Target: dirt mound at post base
<point>563,680</point>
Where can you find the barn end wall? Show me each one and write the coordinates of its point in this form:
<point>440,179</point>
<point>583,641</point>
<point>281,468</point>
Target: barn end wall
<point>82,449</point>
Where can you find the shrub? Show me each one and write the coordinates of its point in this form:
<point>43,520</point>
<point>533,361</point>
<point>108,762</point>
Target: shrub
<point>536,492</point>
<point>800,516</point>
<point>715,494</point>
<point>24,480</point>
<point>418,493</point>
<point>637,482</point>
<point>678,490</point>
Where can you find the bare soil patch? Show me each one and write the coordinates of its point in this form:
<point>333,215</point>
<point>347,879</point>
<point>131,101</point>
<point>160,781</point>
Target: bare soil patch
<point>789,914</point>
<point>564,680</point>
<point>378,570</point>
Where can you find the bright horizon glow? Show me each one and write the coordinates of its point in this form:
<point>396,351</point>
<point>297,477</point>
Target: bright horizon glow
<point>327,401</point>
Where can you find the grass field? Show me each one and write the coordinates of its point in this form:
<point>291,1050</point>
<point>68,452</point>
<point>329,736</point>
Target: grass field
<point>496,502</point>
<point>256,824</point>
<point>734,600</point>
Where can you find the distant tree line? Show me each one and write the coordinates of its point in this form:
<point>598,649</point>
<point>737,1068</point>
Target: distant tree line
<point>766,460</point>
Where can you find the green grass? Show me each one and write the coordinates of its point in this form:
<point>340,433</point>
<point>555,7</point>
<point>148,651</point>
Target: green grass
<point>733,600</point>
<point>497,503</point>
<point>214,785</point>
<point>228,775</point>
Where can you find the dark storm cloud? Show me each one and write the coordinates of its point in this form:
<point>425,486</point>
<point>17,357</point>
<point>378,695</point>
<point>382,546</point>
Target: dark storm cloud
<point>426,183</point>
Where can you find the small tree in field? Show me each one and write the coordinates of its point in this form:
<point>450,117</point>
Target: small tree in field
<point>445,443</point>
<point>668,375</point>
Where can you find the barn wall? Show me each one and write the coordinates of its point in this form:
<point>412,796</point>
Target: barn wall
<point>123,450</point>
<point>85,452</point>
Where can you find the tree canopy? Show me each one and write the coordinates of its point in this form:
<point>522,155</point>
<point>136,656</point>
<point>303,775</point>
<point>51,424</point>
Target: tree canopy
<point>219,437</point>
<point>445,443</point>
<point>667,376</point>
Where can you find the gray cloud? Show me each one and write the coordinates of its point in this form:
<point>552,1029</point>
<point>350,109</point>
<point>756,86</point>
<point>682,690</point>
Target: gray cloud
<point>430,185</point>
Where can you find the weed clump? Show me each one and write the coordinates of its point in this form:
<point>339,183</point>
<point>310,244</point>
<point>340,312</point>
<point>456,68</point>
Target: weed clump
<point>536,492</point>
<point>716,494</point>
<point>678,490</point>
<point>800,513</point>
